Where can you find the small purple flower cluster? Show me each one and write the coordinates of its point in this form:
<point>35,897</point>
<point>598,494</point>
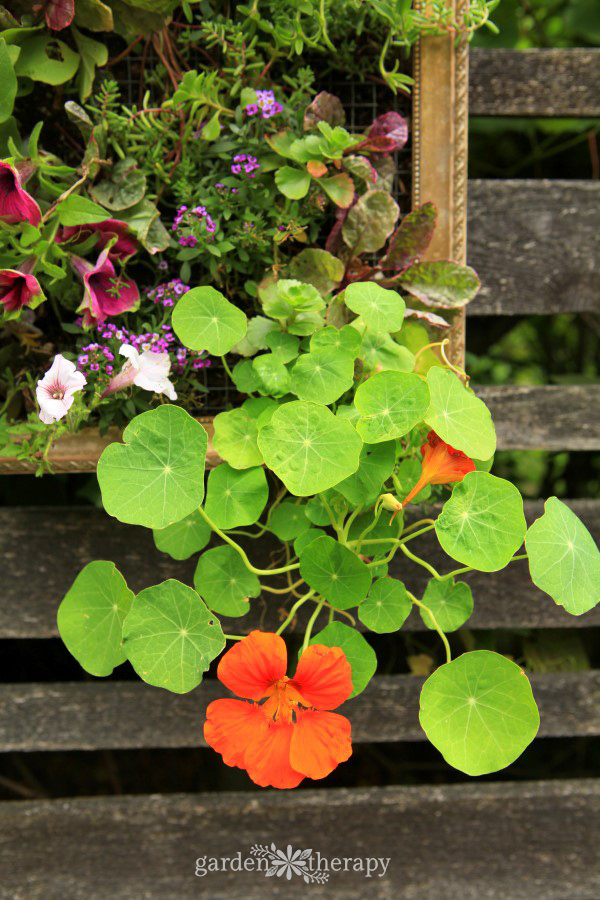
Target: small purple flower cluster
<point>219,186</point>
<point>181,357</point>
<point>184,218</point>
<point>168,292</point>
<point>266,105</point>
<point>248,163</point>
<point>96,358</point>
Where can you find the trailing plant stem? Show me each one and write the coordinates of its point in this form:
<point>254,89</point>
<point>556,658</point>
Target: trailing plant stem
<point>238,549</point>
<point>434,623</point>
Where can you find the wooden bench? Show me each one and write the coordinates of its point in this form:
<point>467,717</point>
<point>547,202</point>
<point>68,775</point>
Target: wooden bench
<point>535,245</point>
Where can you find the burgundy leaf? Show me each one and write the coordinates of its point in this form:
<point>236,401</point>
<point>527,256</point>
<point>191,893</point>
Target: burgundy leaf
<point>411,239</point>
<point>392,126</point>
<point>430,317</point>
<point>325,107</point>
<point>59,14</point>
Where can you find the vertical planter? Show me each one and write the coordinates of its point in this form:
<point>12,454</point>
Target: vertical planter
<point>438,174</point>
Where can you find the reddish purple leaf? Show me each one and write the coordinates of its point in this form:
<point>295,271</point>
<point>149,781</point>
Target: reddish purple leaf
<point>59,14</point>
<point>325,107</point>
<point>430,317</point>
<point>411,239</point>
<point>377,144</point>
<point>392,126</point>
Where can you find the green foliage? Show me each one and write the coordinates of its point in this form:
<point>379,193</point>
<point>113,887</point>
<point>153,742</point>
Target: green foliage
<point>170,637</point>
<point>387,607</point>
<point>235,497</point>
<point>357,651</point>
<point>335,572</point>
<point>479,712</point>
<point>224,582</point>
<point>90,617</point>
<point>157,476</point>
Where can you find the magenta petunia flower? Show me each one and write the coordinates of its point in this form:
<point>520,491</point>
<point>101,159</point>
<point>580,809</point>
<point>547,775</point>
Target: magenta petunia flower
<point>18,289</point>
<point>55,390</point>
<point>124,247</point>
<point>16,205</point>
<point>106,293</point>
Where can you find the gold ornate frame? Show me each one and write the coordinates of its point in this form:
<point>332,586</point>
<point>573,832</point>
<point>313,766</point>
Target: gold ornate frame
<point>439,175</point>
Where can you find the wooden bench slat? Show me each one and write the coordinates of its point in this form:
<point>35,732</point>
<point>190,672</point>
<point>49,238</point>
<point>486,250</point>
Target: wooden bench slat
<point>69,538</point>
<point>125,715</point>
<point>535,245</point>
<point>534,82</point>
<point>545,417</point>
<point>475,841</point>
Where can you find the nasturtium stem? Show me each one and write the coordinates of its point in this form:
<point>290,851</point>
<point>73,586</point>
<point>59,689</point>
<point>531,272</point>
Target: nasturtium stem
<point>455,572</point>
<point>234,637</point>
<point>348,523</point>
<point>227,369</point>
<point>334,522</point>
<point>434,623</point>
<point>241,552</point>
<point>311,622</point>
<point>293,611</point>
<point>367,530</point>
<point>420,562</point>
<point>416,524</point>
<point>285,590</point>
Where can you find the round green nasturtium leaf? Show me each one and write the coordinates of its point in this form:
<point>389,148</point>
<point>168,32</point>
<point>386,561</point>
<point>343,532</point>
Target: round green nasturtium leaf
<point>387,607</point>
<point>256,406</point>
<point>322,375</point>
<point>376,465</point>
<point>335,572</point>
<point>288,520</point>
<point>381,310</point>
<point>390,405</point>
<point>308,447</point>
<point>306,538</point>
<point>182,539</point>
<point>458,416</point>
<point>244,377</point>
<point>479,712</point>
<point>156,477</point>
<point>224,582</point>
<point>273,377</point>
<point>316,512</point>
<point>450,602</point>
<point>564,560</point>
<point>90,617</point>
<point>482,524</point>
<point>171,637</point>
<point>204,320</point>
<point>381,353</point>
<point>357,651</point>
<point>235,497</point>
<point>235,438</point>
<point>347,339</point>
<point>283,345</point>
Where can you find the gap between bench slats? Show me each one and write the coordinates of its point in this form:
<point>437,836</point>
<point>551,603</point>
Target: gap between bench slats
<point>67,538</point>
<point>534,82</point>
<point>475,841</point>
<point>535,245</point>
<point>124,715</point>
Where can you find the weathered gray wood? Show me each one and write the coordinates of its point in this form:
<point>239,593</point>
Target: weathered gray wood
<point>548,417</point>
<point>476,841</point>
<point>535,245</point>
<point>68,538</point>
<point>122,715</point>
<point>534,82</point>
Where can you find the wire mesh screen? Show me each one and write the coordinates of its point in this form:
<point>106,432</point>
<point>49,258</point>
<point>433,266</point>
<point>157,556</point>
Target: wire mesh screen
<point>363,101</point>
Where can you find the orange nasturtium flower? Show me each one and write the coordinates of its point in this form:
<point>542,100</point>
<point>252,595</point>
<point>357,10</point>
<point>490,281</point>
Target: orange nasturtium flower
<point>442,464</point>
<point>291,735</point>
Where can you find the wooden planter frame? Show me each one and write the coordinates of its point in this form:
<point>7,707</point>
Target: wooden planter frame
<point>439,175</point>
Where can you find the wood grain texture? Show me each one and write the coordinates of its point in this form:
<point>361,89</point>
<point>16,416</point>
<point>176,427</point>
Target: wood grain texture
<point>475,841</point>
<point>31,589</point>
<point>535,245</point>
<point>545,417</point>
<point>534,82</point>
<point>124,715</point>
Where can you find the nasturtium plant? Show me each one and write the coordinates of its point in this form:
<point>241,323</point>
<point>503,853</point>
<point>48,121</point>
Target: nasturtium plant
<point>340,430</point>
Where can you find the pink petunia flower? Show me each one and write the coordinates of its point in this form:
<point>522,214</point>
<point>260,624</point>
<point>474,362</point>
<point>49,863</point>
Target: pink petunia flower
<point>147,370</point>
<point>16,205</point>
<point>105,294</point>
<point>18,289</point>
<point>55,390</point>
<point>124,247</point>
